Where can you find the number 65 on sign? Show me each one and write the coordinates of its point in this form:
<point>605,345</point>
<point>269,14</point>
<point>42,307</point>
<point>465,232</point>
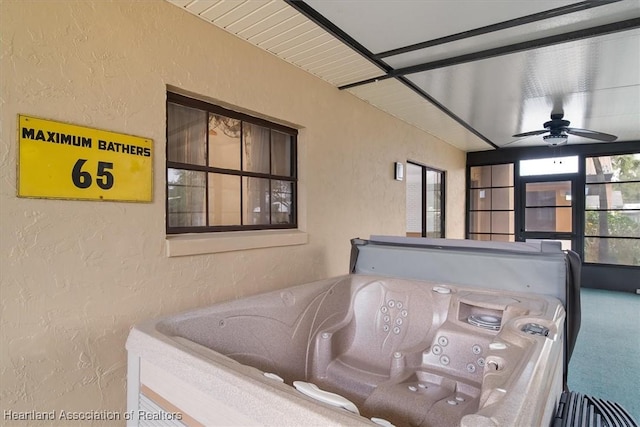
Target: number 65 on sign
<point>64,161</point>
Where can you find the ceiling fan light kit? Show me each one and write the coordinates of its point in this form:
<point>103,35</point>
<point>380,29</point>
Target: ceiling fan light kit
<point>555,140</point>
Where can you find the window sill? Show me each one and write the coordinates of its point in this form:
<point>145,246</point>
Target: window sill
<point>210,243</point>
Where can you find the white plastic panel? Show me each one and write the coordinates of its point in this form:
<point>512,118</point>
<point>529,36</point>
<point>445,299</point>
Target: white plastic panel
<point>386,25</point>
<point>588,79</point>
<point>278,28</point>
<point>570,22</point>
<point>258,24</point>
<point>250,12</point>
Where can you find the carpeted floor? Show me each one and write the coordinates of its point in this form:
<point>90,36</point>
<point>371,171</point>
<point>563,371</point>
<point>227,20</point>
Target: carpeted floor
<point>606,359</point>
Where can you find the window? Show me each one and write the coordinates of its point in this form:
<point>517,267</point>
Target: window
<point>227,171</point>
<point>491,203</point>
<point>425,201</point>
<point>549,166</point>
<point>612,210</point>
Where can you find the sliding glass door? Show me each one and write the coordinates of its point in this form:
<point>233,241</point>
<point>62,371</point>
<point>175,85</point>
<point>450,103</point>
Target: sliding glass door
<point>425,201</point>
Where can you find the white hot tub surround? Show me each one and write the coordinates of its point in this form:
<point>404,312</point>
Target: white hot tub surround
<point>350,349</point>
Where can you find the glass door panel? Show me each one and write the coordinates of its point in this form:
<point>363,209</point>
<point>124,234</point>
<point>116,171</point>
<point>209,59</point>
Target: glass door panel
<point>548,206</point>
<point>414,200</point>
<point>548,210</point>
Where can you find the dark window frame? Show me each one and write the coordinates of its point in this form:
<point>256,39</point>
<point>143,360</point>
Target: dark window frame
<point>209,108</point>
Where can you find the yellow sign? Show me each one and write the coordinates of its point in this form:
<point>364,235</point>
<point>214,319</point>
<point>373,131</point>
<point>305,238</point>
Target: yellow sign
<point>63,161</point>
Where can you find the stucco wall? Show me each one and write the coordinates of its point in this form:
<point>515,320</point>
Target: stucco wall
<point>76,275</point>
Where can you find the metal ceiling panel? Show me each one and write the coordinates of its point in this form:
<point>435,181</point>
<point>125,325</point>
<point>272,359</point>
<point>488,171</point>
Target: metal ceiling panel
<point>196,6</point>
<point>280,29</point>
<point>235,18</point>
<point>216,11</point>
<point>311,36</point>
<point>306,56</point>
<point>585,78</point>
<point>261,25</point>
<point>588,18</point>
<point>323,57</point>
<point>386,25</point>
<point>255,19</point>
<point>290,25</point>
<point>345,66</point>
<point>400,101</point>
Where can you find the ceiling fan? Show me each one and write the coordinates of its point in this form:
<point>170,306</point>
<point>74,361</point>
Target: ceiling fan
<point>559,128</point>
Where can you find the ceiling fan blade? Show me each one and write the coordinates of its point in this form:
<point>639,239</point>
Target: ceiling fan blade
<point>533,132</point>
<point>586,133</point>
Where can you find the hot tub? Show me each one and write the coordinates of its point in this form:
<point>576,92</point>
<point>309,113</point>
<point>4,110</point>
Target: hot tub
<point>357,349</point>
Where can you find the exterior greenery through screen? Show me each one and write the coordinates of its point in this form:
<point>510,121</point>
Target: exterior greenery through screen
<point>612,210</point>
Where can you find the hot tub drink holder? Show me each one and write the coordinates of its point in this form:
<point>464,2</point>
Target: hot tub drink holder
<point>421,333</point>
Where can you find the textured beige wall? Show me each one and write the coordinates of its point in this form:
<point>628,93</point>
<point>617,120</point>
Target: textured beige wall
<point>76,275</point>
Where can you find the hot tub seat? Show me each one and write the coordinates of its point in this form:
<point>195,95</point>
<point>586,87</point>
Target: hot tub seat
<point>384,317</point>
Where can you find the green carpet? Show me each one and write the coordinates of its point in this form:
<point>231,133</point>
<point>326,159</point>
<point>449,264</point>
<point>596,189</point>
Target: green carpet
<point>606,358</point>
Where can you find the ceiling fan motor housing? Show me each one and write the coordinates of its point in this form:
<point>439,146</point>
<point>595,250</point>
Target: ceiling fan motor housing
<point>557,127</point>
<point>556,124</point>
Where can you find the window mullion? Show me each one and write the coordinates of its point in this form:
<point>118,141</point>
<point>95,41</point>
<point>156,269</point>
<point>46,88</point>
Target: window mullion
<point>270,179</point>
<point>241,173</point>
<point>206,177</point>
